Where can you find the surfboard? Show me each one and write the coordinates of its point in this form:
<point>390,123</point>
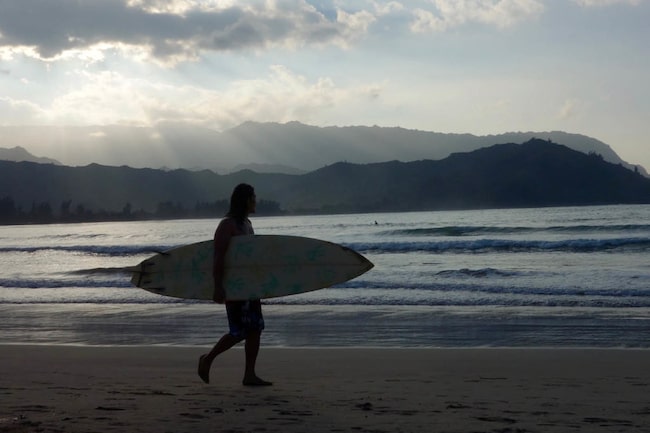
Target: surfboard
<point>256,267</point>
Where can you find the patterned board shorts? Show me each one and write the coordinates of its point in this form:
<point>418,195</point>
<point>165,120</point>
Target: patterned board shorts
<point>244,316</point>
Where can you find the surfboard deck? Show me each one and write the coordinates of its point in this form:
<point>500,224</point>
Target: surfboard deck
<point>256,267</point>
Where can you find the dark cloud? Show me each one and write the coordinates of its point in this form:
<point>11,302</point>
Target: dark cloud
<point>55,26</point>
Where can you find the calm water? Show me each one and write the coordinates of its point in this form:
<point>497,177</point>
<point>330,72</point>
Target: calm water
<point>527,277</point>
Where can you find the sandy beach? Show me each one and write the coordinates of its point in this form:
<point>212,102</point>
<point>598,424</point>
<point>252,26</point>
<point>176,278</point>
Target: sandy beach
<point>156,389</point>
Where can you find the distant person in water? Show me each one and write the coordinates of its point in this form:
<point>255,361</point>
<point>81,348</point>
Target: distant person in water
<point>244,317</point>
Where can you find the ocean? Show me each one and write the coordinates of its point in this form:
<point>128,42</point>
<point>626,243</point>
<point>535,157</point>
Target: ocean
<point>548,277</point>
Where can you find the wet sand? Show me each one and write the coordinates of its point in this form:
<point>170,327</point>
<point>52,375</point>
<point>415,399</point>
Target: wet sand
<point>156,389</point>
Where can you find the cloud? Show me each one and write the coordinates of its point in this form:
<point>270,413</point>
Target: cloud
<point>453,13</point>
<point>112,98</point>
<point>387,8</point>
<point>18,111</point>
<point>568,109</point>
<point>280,96</point>
<point>170,30</point>
<point>591,3</point>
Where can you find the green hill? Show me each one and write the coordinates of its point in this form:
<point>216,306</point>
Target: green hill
<point>536,173</point>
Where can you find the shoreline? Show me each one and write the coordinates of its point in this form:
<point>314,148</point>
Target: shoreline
<point>339,348</point>
<point>156,388</point>
<point>180,325</point>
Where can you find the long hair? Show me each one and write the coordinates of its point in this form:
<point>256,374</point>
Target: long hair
<point>239,201</point>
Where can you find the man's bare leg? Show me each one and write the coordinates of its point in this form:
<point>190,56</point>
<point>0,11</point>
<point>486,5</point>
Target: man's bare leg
<point>205,361</point>
<point>252,348</point>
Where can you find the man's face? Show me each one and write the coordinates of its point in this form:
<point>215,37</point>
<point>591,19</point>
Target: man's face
<point>252,204</point>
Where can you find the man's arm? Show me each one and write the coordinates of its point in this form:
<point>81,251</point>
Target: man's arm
<point>221,240</point>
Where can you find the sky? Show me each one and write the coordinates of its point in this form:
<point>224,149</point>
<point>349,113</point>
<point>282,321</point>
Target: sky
<point>453,66</point>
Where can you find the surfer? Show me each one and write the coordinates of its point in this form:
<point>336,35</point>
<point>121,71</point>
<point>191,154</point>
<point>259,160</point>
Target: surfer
<point>245,318</point>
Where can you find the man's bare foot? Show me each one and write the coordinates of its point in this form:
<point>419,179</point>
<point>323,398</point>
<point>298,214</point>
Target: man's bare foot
<point>204,369</point>
<point>255,381</point>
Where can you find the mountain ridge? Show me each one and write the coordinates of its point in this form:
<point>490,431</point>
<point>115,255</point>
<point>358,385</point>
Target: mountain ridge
<point>295,146</point>
<point>18,154</point>
<point>536,173</point>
